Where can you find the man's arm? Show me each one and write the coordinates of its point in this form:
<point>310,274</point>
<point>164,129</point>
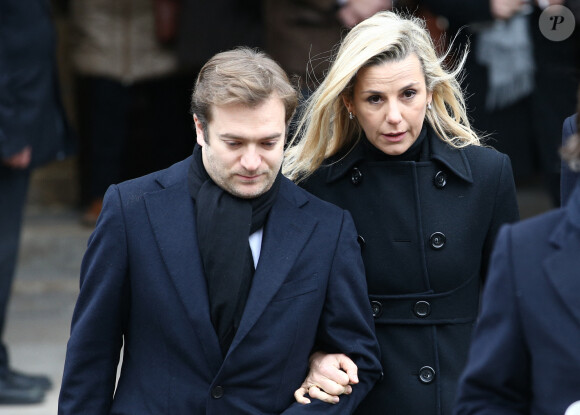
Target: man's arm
<point>497,376</point>
<point>346,325</point>
<point>99,318</point>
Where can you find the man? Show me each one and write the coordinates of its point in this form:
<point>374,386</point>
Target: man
<point>218,276</point>
<point>524,356</point>
<point>33,131</point>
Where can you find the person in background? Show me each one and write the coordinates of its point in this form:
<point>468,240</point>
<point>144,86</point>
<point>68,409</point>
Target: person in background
<point>569,177</point>
<point>300,35</point>
<point>130,95</point>
<point>33,131</point>
<point>386,136</point>
<point>217,305</point>
<point>524,354</point>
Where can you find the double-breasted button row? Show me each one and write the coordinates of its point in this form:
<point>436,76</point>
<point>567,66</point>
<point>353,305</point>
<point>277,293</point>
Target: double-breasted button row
<point>426,374</point>
<point>440,179</point>
<point>437,240</point>
<point>421,308</point>
<point>217,392</point>
<point>356,176</point>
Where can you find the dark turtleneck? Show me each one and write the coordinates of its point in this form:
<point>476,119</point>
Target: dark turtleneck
<point>413,153</point>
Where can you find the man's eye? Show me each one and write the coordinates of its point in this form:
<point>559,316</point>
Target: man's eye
<point>232,143</point>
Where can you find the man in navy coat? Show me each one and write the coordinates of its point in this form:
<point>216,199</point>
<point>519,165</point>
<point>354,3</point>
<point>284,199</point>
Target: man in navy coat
<point>217,277</point>
<point>33,131</point>
<point>525,355</point>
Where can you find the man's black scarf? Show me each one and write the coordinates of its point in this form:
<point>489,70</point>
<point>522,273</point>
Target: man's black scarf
<point>224,223</point>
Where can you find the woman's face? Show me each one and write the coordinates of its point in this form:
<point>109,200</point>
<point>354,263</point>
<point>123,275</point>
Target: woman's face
<point>389,101</point>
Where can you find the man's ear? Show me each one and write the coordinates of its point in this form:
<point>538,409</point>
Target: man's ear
<point>199,131</point>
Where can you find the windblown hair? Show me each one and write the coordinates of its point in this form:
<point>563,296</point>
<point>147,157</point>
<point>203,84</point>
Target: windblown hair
<point>570,152</point>
<point>240,76</point>
<point>324,128</point>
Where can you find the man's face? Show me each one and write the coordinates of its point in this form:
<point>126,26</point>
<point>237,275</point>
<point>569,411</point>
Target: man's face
<point>245,146</point>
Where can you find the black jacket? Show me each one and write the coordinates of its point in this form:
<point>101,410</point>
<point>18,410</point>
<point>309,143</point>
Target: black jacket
<point>426,231</point>
<point>31,113</point>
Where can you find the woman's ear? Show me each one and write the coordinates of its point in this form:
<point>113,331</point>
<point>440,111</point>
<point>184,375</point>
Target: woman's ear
<point>347,102</point>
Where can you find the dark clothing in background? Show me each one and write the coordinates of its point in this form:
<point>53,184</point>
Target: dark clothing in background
<point>569,177</point>
<point>31,114</point>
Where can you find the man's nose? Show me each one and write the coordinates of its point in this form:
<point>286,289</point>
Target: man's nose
<point>251,160</point>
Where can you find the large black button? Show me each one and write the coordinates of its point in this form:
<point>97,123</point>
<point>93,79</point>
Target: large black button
<point>356,176</point>
<point>422,309</point>
<point>426,374</point>
<point>377,308</point>
<point>437,240</point>
<point>361,241</point>
<point>217,392</point>
<point>440,179</point>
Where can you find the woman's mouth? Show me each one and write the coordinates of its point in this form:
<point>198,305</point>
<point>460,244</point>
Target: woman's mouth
<point>395,137</point>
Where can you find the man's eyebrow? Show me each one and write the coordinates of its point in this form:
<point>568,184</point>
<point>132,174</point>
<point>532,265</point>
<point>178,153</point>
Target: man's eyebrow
<point>233,136</point>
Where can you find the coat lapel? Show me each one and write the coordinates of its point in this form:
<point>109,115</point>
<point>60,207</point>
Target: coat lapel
<point>563,267</point>
<point>285,234</point>
<point>172,216</point>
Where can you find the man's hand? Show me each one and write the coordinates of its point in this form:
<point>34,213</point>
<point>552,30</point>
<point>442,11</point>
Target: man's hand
<point>20,160</point>
<point>355,11</point>
<point>330,376</point>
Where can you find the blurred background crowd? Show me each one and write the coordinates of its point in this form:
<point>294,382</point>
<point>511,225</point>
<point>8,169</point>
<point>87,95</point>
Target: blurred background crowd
<point>127,68</point>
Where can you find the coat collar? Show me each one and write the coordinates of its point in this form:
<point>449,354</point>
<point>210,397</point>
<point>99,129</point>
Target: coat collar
<point>562,266</point>
<point>454,159</point>
<point>286,232</point>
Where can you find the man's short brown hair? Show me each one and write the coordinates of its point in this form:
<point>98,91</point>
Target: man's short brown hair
<point>240,76</point>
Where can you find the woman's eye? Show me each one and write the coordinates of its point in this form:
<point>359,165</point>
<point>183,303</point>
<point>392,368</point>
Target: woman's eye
<point>374,99</point>
<point>409,93</point>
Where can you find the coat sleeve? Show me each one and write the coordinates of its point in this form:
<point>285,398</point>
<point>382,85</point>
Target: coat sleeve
<point>496,378</point>
<point>99,317</point>
<point>505,208</point>
<point>346,325</point>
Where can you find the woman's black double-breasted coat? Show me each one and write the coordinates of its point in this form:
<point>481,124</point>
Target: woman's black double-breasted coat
<point>426,230</point>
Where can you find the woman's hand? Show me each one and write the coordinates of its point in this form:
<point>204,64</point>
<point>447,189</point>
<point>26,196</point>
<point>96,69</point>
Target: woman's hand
<point>330,376</point>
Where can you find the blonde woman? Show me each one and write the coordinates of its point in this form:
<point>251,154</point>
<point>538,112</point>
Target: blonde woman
<point>386,136</point>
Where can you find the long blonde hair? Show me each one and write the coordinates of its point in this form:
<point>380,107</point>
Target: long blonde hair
<point>324,128</point>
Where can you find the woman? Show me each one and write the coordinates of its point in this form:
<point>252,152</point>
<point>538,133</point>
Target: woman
<point>386,136</point>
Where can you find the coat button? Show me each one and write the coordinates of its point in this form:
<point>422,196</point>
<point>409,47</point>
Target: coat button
<point>377,308</point>
<point>361,241</point>
<point>356,176</point>
<point>437,240</point>
<point>422,309</point>
<point>217,392</point>
<point>426,374</point>
<point>440,179</point>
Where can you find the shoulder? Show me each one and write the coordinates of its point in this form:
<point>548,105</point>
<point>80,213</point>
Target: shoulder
<point>308,201</point>
<point>134,189</point>
<point>531,234</point>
